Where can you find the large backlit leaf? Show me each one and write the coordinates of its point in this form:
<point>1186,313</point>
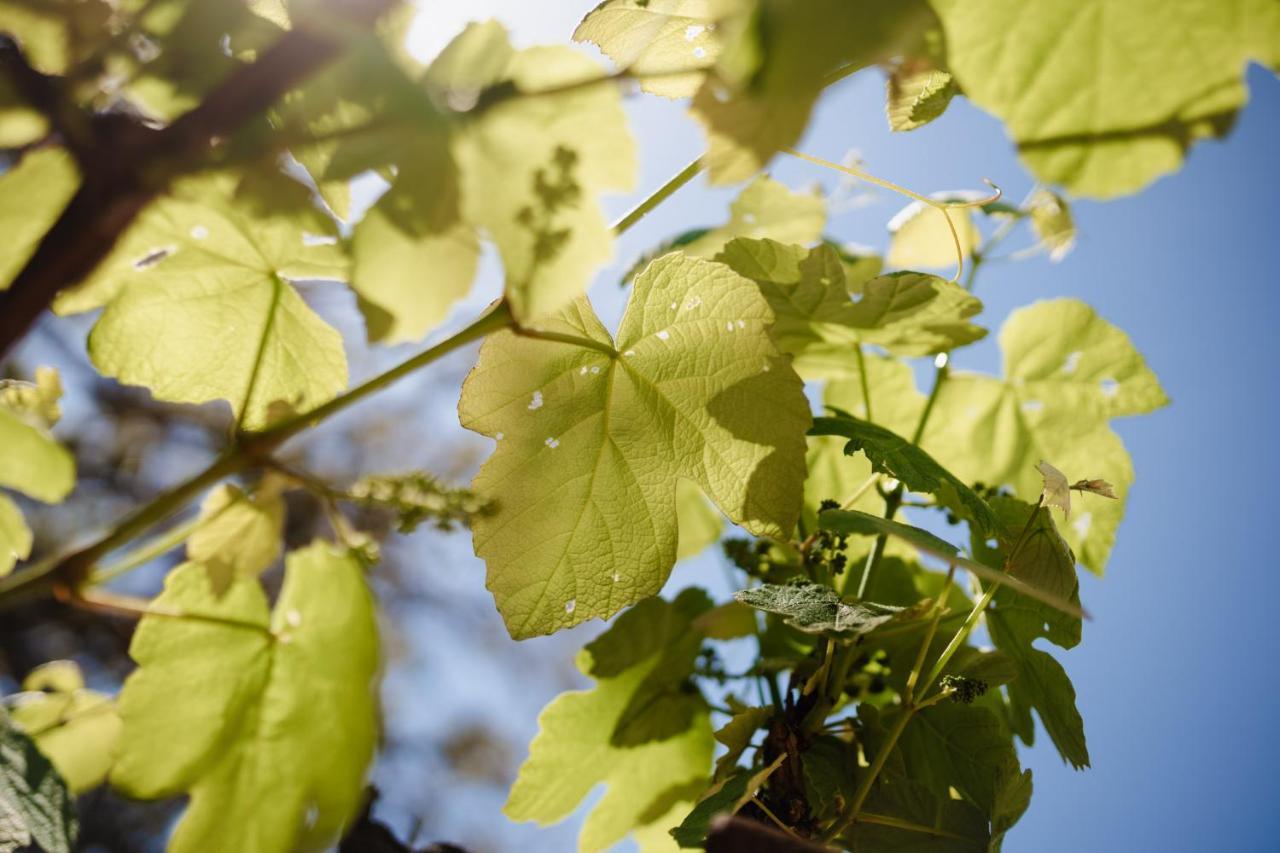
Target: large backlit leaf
<point>1105,97</point>
<point>593,439</point>
<point>574,750</point>
<point>244,707</point>
<point>765,208</point>
<point>199,304</point>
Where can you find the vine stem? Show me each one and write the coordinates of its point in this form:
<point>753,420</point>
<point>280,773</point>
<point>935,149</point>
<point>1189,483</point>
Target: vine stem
<point>641,210</point>
<point>938,607</point>
<point>862,377</point>
<point>158,546</point>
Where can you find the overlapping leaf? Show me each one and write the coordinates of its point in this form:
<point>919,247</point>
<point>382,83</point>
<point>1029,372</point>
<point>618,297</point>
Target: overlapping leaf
<point>32,196</point>
<point>1105,97</point>
<point>657,40</point>
<point>239,535</point>
<point>75,728</point>
<point>906,313</point>
<point>36,810</point>
<point>238,707</point>
<point>574,750</point>
<point>593,437</point>
<point>817,609</point>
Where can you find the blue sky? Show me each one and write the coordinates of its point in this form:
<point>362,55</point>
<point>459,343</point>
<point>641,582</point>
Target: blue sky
<point>1178,699</point>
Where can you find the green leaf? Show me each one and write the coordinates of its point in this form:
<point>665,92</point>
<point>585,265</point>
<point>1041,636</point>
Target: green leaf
<point>920,236</point>
<point>729,621</point>
<point>32,196</point>
<point>239,536</point>
<point>408,279</point>
<point>237,707</point>
<point>860,523</point>
<point>917,95</point>
<point>1042,684</point>
<point>736,736</point>
<point>1053,223</point>
<point>829,764</point>
<point>803,46</point>
<point>1012,799</point>
<point>593,438</point>
<point>723,798</point>
<point>198,301</point>
<point>891,454</point>
<point>817,609</point>
<point>575,750</point>
<point>700,523</point>
<point>75,728</point>
<point>765,208</point>
<point>1067,371</point>
<point>532,166</point>
<point>51,35</point>
<point>951,745</point>
<point>658,38</point>
<point>663,704</point>
<point>818,322</point>
<point>924,823</point>
<point>1104,97</point>
<point>31,461</point>
<point>15,536</point>
<point>35,808</point>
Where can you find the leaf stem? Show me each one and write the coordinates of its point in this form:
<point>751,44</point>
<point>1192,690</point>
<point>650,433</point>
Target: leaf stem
<point>873,772</point>
<point>862,378</point>
<point>148,551</point>
<point>938,606</point>
<point>659,195</point>
<point>561,338</point>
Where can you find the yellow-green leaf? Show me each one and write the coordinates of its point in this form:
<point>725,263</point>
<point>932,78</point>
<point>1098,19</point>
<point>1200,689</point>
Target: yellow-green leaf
<point>239,536</point>
<point>574,752</point>
<point>32,196</point>
<point>76,729</point>
<point>766,208</point>
<point>15,536</point>
<point>922,239</point>
<point>700,522</point>
<point>917,96</point>
<point>200,305</point>
<point>31,460</point>
<point>658,39</point>
<point>1104,96</point>
<point>242,707</point>
<point>532,166</point>
<point>592,439</point>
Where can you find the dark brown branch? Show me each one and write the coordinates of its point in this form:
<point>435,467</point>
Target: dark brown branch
<point>127,164</point>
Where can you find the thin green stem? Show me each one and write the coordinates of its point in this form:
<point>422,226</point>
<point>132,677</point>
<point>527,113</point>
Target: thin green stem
<point>868,779</point>
<point>941,373</point>
<point>148,551</point>
<point>971,621</point>
<point>660,195</point>
<point>862,378</point>
<point>938,606</point>
<point>572,340</point>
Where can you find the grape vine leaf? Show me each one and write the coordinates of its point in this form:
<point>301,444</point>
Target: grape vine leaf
<point>32,461</point>
<point>920,237</point>
<point>32,195</point>
<point>239,707</point>
<point>765,208</point>
<point>724,797</point>
<point>36,810</point>
<point>917,95</point>
<point>936,824</point>
<point>821,325</point>
<point>593,437</point>
<point>574,749</point>
<point>817,609</point>
<point>199,304</point>
<point>793,51</point>
<point>894,455</point>
<point>238,535</point>
<point>15,536</point>
<point>958,746</point>
<point>735,736</point>
<point>75,728</point>
<point>532,166</point>
<point>1067,372</point>
<point>51,37</point>
<point>1052,222</point>
<point>1103,97</point>
<point>657,39</point>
